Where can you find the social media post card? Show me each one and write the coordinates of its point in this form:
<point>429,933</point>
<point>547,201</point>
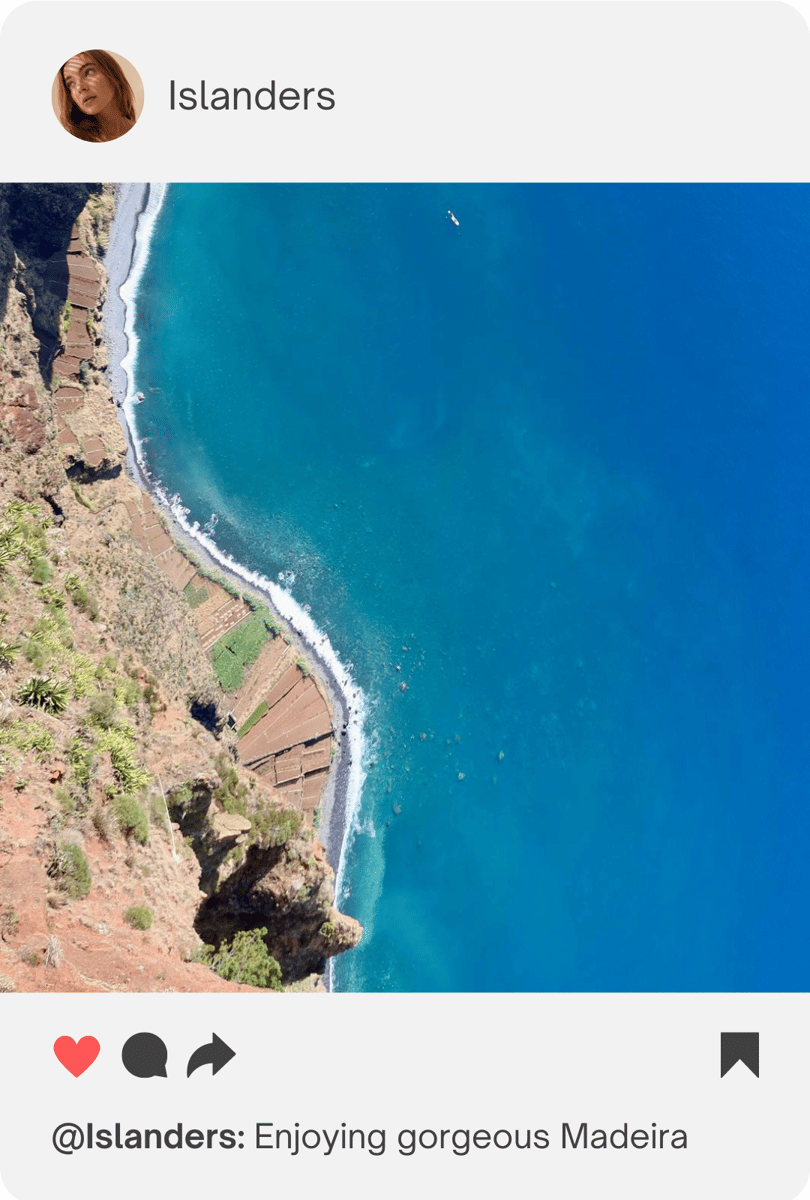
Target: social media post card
<point>403,752</point>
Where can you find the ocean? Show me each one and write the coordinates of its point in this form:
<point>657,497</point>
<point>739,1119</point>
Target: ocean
<point>540,479</point>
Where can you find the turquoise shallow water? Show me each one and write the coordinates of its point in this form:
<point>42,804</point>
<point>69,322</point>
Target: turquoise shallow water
<point>546,471</point>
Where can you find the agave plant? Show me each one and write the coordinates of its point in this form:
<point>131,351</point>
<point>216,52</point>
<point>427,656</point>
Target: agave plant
<point>43,692</point>
<point>8,652</point>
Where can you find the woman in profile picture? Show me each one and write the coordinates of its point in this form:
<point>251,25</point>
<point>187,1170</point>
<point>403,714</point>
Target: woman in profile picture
<point>95,99</point>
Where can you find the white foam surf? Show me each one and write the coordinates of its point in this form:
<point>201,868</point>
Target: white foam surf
<point>278,594</point>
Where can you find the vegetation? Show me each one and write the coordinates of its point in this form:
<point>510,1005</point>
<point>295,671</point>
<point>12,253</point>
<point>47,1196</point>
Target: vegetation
<point>245,960</point>
<point>255,716</point>
<point>52,598</point>
<point>9,922</point>
<point>131,818</point>
<point>195,596</point>
<point>102,710</point>
<point>70,870</point>
<point>66,315</point>
<point>127,692</point>
<point>99,818</point>
<point>44,693</point>
<point>119,743</point>
<point>23,533</point>
<point>80,496</point>
<point>40,570</point>
<point>239,647</point>
<point>303,666</point>
<point>150,692</point>
<point>231,794</point>
<point>81,597</point>
<point>272,825</point>
<point>26,735</point>
<point>80,757</point>
<point>82,676</point>
<point>139,917</point>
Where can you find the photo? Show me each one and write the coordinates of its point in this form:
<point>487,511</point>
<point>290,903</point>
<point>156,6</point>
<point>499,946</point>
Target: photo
<point>97,96</point>
<point>402,587</point>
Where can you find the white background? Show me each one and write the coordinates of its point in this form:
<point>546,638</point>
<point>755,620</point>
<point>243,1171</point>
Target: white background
<point>576,91</point>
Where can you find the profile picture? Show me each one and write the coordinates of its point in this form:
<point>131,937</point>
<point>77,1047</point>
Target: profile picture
<point>97,95</point>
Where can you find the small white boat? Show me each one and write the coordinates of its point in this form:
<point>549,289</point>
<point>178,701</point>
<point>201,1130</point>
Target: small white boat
<point>453,217</point>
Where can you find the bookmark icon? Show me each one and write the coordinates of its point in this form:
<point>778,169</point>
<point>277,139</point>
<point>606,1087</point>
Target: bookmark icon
<point>739,1047</point>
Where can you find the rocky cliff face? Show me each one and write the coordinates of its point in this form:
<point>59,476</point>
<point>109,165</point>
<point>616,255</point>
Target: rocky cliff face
<point>130,834</point>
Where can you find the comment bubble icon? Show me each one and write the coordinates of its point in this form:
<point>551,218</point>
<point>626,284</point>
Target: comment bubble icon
<point>145,1055</point>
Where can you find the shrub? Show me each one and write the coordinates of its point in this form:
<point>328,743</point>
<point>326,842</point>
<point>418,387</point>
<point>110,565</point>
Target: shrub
<point>245,960</point>
<point>25,735</point>
<point>45,693</point>
<point>120,743</point>
<point>81,676</point>
<point>272,825</point>
<point>139,916</point>
<point>99,818</point>
<point>180,796</point>
<point>127,692</point>
<point>303,666</point>
<point>101,710</point>
<point>35,655</point>
<point>66,802</point>
<point>81,597</point>
<point>8,652</point>
<point>53,598</point>
<point>40,739</point>
<point>231,794</point>
<point>9,921</point>
<point>131,818</point>
<point>80,757</point>
<point>69,868</point>
<point>53,952</point>
<point>40,570</point>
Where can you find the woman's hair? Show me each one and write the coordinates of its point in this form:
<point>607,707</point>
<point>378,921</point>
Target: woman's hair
<point>80,124</point>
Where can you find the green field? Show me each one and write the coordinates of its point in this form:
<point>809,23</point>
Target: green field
<point>239,647</point>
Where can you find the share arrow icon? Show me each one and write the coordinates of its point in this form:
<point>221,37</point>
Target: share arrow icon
<point>216,1052</point>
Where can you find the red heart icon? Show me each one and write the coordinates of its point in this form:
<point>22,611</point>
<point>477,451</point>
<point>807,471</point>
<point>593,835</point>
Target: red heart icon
<point>76,1056</point>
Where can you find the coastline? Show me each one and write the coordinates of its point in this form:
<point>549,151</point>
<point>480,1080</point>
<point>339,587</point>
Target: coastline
<point>124,265</point>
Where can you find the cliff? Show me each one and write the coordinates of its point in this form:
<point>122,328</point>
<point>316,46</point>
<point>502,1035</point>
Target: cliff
<point>132,833</point>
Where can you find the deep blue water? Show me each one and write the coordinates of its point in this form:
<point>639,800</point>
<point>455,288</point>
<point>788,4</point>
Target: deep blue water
<point>553,464</point>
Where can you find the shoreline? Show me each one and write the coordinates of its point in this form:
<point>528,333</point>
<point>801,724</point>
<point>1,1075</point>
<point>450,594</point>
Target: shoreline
<point>340,800</point>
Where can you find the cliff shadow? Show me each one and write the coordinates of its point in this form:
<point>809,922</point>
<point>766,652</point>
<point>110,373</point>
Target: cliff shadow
<point>36,223</point>
<point>82,472</point>
<point>236,903</point>
<point>268,892</point>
